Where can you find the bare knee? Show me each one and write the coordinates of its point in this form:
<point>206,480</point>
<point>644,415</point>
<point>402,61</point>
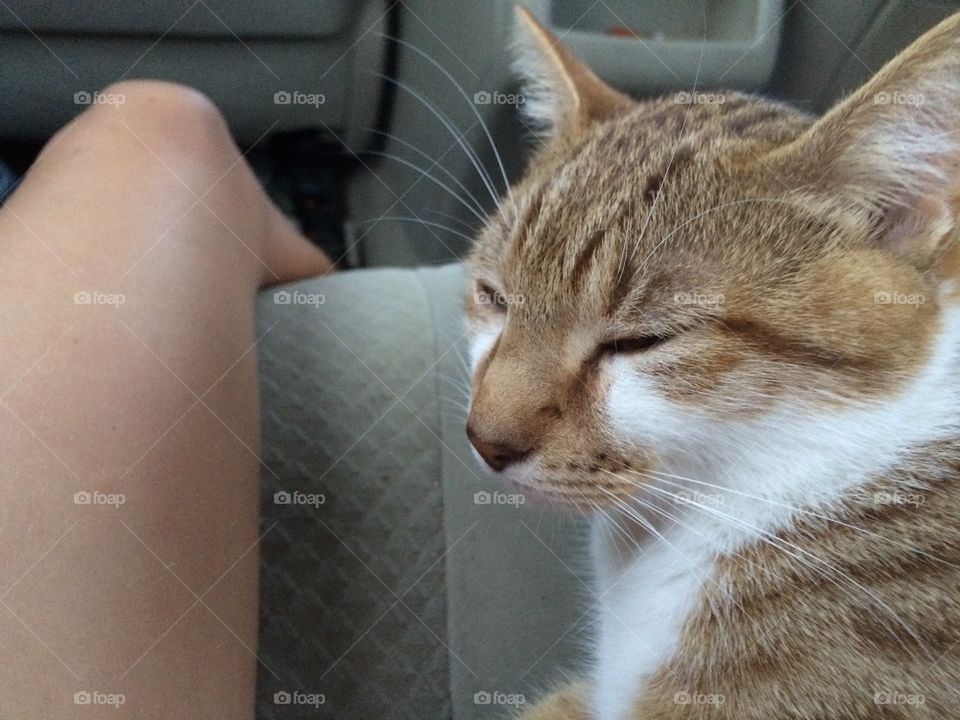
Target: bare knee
<point>179,106</point>
<point>172,102</point>
<point>162,117</point>
<point>148,129</point>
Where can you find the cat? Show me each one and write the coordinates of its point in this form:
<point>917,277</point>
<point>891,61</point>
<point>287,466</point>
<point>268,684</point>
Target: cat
<point>730,333</point>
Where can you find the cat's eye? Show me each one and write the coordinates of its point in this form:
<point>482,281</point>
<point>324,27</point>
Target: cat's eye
<point>491,297</point>
<point>626,345</point>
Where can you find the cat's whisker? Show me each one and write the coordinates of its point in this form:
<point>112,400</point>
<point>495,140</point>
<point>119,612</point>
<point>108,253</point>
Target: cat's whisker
<point>458,136</point>
<point>453,218</point>
<point>421,221</point>
<point>434,162</point>
<point>674,519</point>
<point>463,404</point>
<point>773,539</point>
<point>426,174</point>
<point>635,521</point>
<point>712,541</point>
<point>462,393</point>
<point>614,525</point>
<point>453,415</point>
<point>756,533</point>
<point>777,543</point>
<point>635,514</point>
<point>446,73</point>
<point>460,397</point>
<point>459,380</point>
<point>663,513</point>
<point>457,404</point>
<point>607,527</point>
<point>715,543</point>
<point>464,364</point>
<point>794,508</point>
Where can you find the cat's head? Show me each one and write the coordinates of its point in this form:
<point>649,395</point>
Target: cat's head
<point>673,278</point>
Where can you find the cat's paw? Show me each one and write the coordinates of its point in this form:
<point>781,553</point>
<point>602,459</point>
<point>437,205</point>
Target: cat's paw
<point>567,703</point>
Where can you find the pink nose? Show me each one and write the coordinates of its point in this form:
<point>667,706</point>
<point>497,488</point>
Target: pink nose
<point>496,455</point>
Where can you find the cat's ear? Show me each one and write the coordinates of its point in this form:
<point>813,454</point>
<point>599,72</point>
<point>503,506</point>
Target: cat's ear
<point>561,94</point>
<point>892,149</point>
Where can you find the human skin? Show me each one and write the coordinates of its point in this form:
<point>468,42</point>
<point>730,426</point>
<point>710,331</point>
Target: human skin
<point>148,393</point>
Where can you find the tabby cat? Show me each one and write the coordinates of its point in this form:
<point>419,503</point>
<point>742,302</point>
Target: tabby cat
<point>730,333</point>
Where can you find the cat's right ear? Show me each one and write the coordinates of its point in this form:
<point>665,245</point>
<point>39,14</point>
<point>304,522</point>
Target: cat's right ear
<point>562,96</point>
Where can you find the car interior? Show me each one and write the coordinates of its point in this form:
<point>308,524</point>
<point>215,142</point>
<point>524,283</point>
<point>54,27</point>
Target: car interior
<point>412,587</point>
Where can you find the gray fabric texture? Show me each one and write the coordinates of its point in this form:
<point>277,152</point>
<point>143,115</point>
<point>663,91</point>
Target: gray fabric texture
<point>400,596</point>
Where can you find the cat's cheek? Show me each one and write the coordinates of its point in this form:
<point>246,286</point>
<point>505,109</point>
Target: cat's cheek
<point>638,411</point>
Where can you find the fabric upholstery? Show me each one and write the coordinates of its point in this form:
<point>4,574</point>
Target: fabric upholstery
<point>404,594</point>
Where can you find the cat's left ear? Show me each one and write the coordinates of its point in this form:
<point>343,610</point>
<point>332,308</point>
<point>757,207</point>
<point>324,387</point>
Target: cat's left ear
<point>561,94</point>
<point>891,150</point>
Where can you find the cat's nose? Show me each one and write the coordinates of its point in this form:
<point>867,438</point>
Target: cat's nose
<point>498,456</point>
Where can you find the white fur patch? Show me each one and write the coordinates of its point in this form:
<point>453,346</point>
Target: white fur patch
<point>481,343</point>
<point>645,602</point>
<point>797,456</point>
